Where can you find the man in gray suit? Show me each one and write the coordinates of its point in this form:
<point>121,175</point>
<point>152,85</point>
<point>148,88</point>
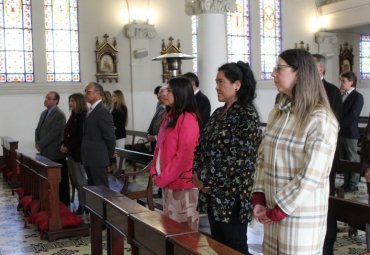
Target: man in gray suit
<point>49,137</point>
<point>98,140</point>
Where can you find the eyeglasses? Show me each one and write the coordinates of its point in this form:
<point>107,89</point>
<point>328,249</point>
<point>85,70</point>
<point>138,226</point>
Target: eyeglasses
<point>89,90</point>
<point>278,68</point>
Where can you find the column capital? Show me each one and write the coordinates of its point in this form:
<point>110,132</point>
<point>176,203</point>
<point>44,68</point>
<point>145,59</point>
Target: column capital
<point>140,31</point>
<point>196,7</point>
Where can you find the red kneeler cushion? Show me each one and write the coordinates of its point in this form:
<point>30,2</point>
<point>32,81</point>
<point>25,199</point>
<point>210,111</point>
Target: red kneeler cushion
<point>24,202</point>
<point>7,174</point>
<point>20,192</point>
<point>33,207</point>
<point>69,219</point>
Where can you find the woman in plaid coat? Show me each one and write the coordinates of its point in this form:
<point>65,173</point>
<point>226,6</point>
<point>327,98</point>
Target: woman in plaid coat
<point>291,188</point>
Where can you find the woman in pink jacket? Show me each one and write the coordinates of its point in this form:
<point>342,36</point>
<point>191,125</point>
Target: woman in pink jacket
<point>172,164</point>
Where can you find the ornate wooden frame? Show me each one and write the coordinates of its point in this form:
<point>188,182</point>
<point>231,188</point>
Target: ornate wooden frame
<point>106,60</point>
<point>346,58</point>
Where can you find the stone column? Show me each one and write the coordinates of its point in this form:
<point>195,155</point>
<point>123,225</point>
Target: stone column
<point>139,35</point>
<point>328,47</point>
<point>212,51</point>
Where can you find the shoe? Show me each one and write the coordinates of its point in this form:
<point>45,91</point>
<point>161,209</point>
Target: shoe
<point>351,189</point>
<point>80,210</point>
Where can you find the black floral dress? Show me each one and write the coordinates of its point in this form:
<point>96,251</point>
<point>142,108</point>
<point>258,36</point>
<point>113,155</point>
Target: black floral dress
<point>225,161</point>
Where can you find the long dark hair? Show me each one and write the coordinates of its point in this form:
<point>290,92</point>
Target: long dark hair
<point>241,71</point>
<point>184,99</point>
<point>80,102</point>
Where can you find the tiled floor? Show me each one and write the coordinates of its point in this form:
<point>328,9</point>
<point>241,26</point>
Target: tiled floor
<point>17,240</point>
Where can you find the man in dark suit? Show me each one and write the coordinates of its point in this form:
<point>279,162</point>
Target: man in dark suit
<point>204,106</point>
<point>155,123</point>
<point>349,133</point>
<point>335,100</point>
<point>98,140</point>
<point>49,137</point>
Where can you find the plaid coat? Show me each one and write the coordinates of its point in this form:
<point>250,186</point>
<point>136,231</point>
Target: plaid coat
<point>293,172</point>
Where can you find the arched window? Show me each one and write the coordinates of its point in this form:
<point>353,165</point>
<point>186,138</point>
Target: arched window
<point>194,38</point>
<point>364,57</point>
<point>16,52</point>
<point>238,33</point>
<point>270,35</point>
<point>62,46</point>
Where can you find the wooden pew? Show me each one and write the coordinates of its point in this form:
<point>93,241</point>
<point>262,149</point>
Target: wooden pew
<point>136,134</point>
<point>95,204</point>
<point>152,230</point>
<point>356,214</point>
<point>148,232</point>
<point>10,146</point>
<point>41,179</point>
<point>197,243</point>
<point>132,189</point>
<point>120,224</point>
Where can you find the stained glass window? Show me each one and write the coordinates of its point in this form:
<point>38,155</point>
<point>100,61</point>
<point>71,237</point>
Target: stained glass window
<point>238,33</point>
<point>16,53</point>
<point>270,35</point>
<point>62,47</point>
<point>365,57</point>
<point>194,36</point>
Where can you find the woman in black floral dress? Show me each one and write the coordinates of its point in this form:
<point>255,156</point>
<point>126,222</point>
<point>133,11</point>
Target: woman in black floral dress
<point>225,157</point>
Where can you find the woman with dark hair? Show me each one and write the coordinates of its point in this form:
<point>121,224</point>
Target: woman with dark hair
<point>119,114</point>
<point>172,164</point>
<point>291,187</point>
<point>72,146</point>
<point>225,157</point>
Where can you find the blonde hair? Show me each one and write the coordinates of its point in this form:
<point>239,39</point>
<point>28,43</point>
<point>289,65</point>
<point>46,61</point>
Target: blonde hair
<point>309,92</point>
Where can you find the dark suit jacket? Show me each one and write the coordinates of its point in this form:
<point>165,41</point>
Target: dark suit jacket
<point>204,107</point>
<point>73,135</point>
<point>335,98</point>
<point>352,107</point>
<point>155,123</point>
<point>49,133</point>
<point>98,140</point>
<point>119,121</point>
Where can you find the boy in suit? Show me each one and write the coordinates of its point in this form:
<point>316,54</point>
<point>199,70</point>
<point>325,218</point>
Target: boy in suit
<point>349,134</point>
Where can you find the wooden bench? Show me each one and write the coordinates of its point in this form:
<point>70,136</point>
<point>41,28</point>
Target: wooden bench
<point>41,178</point>
<point>120,224</point>
<point>148,232</point>
<point>136,134</point>
<point>152,230</point>
<point>132,189</point>
<point>96,205</point>
<point>356,214</point>
<point>10,146</point>
<point>197,243</point>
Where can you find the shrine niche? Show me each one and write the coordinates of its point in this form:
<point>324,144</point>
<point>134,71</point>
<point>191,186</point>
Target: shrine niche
<point>106,60</point>
<point>346,58</point>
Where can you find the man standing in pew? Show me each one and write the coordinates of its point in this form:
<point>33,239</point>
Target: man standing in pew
<point>49,137</point>
<point>98,140</point>
<point>335,100</point>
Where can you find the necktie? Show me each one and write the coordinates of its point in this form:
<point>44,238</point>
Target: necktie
<point>344,96</point>
<point>43,120</point>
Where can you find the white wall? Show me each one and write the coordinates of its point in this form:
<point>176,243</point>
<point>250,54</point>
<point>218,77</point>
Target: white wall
<point>21,104</point>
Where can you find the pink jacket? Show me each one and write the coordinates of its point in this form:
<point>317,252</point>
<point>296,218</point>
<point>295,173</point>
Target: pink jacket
<point>177,146</point>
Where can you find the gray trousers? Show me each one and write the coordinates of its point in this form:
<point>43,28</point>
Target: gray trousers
<point>348,151</point>
<point>78,178</point>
